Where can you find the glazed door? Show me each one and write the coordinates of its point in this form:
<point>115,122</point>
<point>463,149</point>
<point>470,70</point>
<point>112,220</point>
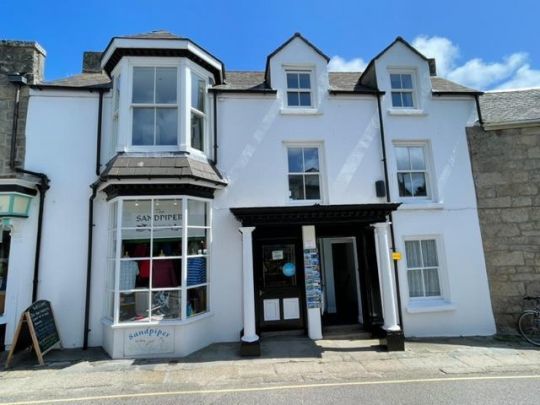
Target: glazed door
<point>279,285</point>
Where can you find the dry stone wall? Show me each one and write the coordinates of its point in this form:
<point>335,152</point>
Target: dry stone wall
<point>506,170</point>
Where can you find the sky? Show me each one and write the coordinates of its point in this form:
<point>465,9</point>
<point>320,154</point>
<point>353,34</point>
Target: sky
<point>483,44</point>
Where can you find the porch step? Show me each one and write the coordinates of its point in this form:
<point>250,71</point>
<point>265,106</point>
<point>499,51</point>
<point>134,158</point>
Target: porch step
<point>349,332</point>
<point>292,332</point>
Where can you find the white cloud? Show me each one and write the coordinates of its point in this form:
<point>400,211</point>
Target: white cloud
<point>512,72</point>
<point>339,64</point>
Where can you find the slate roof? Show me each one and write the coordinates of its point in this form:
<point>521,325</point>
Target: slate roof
<point>510,106</point>
<point>157,34</point>
<point>83,81</point>
<point>442,85</point>
<point>129,166</point>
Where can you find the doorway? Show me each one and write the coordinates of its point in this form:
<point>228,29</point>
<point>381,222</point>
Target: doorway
<point>341,282</point>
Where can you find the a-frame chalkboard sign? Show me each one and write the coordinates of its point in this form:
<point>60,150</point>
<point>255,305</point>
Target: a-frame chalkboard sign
<point>36,329</point>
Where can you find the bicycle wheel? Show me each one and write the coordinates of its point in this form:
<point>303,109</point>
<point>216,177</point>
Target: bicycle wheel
<point>529,326</point>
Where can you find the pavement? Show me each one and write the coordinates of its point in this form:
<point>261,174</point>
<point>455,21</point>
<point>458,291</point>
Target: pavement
<point>285,361</point>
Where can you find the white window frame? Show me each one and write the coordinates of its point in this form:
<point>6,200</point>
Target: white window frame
<point>206,115</point>
<point>299,68</point>
<point>413,91</point>
<point>419,239</point>
<point>322,171</point>
<point>115,227</point>
<point>428,171</point>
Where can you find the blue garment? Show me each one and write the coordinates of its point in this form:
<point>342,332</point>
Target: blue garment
<point>196,271</point>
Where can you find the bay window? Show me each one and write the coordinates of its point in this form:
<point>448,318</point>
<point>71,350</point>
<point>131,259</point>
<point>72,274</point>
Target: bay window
<point>158,256</point>
<point>198,114</point>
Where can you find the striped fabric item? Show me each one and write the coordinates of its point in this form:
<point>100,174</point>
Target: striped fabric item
<point>196,271</point>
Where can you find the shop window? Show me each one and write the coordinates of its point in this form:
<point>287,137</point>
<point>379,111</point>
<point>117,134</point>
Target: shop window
<point>412,170</point>
<point>304,173</point>
<point>423,268</point>
<point>158,259</point>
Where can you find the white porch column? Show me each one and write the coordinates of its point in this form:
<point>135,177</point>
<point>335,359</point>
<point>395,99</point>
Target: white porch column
<point>247,284</point>
<point>386,276</point>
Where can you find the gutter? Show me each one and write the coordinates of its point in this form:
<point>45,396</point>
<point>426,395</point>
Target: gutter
<point>19,81</point>
<point>387,189</point>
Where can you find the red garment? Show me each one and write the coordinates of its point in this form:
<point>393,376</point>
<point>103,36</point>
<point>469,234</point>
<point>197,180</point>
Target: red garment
<point>144,269</point>
<point>142,250</point>
<point>163,274</point>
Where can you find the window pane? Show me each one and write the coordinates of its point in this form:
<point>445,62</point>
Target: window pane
<point>402,158</point>
<point>196,301</point>
<point>143,126</point>
<point>197,241</point>
<point>418,184</point>
<point>166,85</point>
<point>198,90</point>
<point>404,184</point>
<point>407,100</point>
<point>166,273</point>
<point>167,242</point>
<point>296,164</point>
<point>312,187</point>
<point>395,81</point>
<point>311,160</point>
<point>109,281</point>
<point>292,80</point>
<point>292,98</point>
<point>406,81</point>
<point>414,278</point>
<point>168,212</point>
<point>296,187</point>
<point>429,253</point>
<point>197,213</point>
<point>111,252</point>
<point>129,269</point>
<point>396,99</point>
<point>197,132</point>
<point>417,158</point>
<point>134,306</point>
<point>143,85</point>
<point>305,81</point>
<point>136,213</point>
<point>196,271</point>
<point>166,305</point>
<point>166,129</point>
<point>109,310</point>
<point>431,282</point>
<point>412,251</point>
<point>305,99</point>
<point>135,243</point>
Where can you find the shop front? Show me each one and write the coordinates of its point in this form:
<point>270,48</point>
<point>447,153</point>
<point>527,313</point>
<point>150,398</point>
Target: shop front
<point>305,268</point>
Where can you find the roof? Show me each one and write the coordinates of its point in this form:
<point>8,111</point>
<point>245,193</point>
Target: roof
<point>442,85</point>
<point>513,106</point>
<point>131,166</point>
<point>157,34</point>
<point>79,81</point>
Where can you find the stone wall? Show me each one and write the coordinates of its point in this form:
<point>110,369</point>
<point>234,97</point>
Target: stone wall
<point>27,59</point>
<point>506,170</point>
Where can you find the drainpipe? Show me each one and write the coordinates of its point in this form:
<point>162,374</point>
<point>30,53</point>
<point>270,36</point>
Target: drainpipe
<point>94,188</point>
<point>18,81</point>
<point>392,236</point>
<point>479,110</point>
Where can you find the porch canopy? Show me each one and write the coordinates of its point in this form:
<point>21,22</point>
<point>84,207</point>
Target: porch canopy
<point>314,214</point>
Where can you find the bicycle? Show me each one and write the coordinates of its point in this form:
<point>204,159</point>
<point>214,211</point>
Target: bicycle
<point>529,322</point>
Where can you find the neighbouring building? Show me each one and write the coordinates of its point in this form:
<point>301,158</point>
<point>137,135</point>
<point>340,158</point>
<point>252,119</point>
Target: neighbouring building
<point>505,154</point>
<point>190,205</point>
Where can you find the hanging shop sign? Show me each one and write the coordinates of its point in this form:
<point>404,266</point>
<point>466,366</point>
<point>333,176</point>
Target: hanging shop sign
<point>37,330</point>
<point>313,278</point>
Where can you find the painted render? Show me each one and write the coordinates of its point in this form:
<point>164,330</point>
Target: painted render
<point>254,130</point>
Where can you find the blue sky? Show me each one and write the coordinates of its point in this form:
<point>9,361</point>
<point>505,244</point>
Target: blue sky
<point>483,44</point>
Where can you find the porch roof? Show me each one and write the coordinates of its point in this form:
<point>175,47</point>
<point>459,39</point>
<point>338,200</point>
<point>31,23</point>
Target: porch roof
<point>314,214</point>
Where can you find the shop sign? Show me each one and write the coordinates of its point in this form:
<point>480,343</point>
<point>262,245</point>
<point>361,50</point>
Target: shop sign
<point>150,340</point>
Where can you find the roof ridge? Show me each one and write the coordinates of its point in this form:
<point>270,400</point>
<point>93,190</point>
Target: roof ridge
<point>511,90</point>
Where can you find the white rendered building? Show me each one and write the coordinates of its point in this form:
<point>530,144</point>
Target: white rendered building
<point>189,205</point>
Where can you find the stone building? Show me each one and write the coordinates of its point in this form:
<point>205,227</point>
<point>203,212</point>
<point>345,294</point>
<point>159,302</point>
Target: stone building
<point>505,155</point>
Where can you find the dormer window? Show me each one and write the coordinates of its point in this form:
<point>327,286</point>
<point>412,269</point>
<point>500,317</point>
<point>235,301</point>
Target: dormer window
<point>402,84</point>
<point>155,106</point>
<point>299,91</point>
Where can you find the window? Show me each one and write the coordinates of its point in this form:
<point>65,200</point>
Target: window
<point>198,115</point>
<point>158,255</point>
<point>422,268</point>
<point>304,173</point>
<point>412,174</point>
<point>299,89</point>
<point>402,90</point>
<point>155,106</point>
<point>116,109</point>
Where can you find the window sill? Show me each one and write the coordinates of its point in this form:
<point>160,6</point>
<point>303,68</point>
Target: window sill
<point>300,111</point>
<point>108,322</point>
<point>407,112</point>
<point>438,305</point>
<point>422,206</point>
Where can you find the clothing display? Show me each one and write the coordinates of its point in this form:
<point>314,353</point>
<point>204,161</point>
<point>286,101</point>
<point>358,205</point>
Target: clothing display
<point>128,274</point>
<point>163,274</point>
<point>196,271</point>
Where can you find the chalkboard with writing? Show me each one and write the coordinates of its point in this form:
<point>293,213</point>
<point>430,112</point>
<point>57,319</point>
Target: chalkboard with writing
<point>44,325</point>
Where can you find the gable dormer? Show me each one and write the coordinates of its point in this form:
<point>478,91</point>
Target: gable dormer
<point>298,71</point>
<point>404,74</point>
